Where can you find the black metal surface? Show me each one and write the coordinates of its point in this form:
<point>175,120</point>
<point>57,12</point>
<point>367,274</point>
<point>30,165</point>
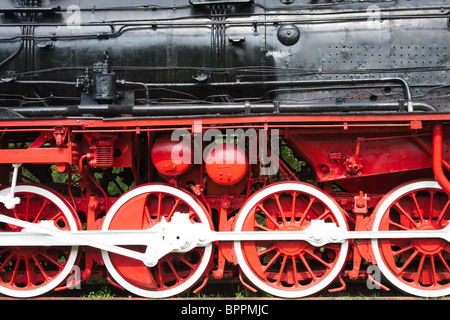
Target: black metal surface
<point>316,55</point>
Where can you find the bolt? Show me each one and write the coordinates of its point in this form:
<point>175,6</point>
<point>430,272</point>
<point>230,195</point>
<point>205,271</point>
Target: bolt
<point>318,236</point>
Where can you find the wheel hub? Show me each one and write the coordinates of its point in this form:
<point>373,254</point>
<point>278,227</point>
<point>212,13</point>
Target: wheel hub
<point>429,246</point>
<point>291,248</point>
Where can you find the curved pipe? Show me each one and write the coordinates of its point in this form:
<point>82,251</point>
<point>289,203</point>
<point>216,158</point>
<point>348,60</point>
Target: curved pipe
<point>437,158</point>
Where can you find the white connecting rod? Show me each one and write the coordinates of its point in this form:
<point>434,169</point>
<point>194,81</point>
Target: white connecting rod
<point>181,235</point>
<point>46,234</point>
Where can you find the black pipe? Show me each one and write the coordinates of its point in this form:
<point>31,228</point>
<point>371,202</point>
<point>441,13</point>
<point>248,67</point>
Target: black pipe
<point>288,83</point>
<point>220,109</point>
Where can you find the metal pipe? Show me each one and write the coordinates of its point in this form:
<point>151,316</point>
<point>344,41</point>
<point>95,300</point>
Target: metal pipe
<point>355,107</point>
<point>224,108</point>
<point>437,158</point>
<point>147,93</point>
<point>302,83</point>
<point>298,83</point>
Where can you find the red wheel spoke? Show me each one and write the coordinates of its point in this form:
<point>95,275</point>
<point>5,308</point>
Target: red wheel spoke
<point>419,210</point>
<point>41,269</point>
<point>29,272</point>
<point>443,211</point>
<point>175,205</point>
<point>305,213</point>
<point>407,262</point>
<point>433,270</point>
<point>27,208</point>
<point>57,217</point>
<point>405,249</point>
<point>53,261</point>
<point>16,215</point>
<point>186,262</point>
<point>280,209</point>
<point>158,209</point>
<point>281,271</point>
<point>161,274</point>
<point>147,219</point>
<point>172,268</point>
<point>406,214</point>
<point>294,272</point>
<point>324,215</point>
<point>260,227</point>
<point>16,271</point>
<point>444,262</point>
<point>293,211</point>
<point>398,225</point>
<point>312,254</point>
<point>267,266</point>
<point>7,260</point>
<point>261,253</point>
<point>37,218</point>
<point>419,270</point>
<point>430,218</point>
<point>193,216</point>
<point>269,216</point>
<point>307,266</point>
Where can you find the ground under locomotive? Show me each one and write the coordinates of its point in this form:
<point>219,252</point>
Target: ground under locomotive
<point>292,144</point>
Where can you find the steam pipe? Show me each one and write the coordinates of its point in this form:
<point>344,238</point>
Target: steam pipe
<point>202,109</point>
<point>437,158</point>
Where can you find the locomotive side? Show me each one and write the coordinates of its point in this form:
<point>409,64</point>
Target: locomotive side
<point>289,143</point>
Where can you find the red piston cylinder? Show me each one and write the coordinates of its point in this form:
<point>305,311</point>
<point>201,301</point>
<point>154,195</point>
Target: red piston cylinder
<point>226,164</point>
<point>171,158</point>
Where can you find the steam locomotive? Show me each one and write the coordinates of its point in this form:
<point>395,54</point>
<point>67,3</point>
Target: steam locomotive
<point>293,144</point>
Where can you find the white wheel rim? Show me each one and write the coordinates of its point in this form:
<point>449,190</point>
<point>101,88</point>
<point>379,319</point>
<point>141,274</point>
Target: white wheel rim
<point>189,200</point>
<point>289,186</point>
<point>382,207</point>
<point>73,253</point>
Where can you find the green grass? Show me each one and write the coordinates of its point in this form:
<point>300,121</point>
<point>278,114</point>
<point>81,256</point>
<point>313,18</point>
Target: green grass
<point>103,292</point>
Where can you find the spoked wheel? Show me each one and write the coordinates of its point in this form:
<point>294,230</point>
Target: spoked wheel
<point>419,267</point>
<point>289,269</point>
<point>32,271</point>
<point>142,208</point>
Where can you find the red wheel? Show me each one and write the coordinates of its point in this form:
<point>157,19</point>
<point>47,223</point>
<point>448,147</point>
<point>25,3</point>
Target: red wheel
<point>32,271</point>
<point>142,208</point>
<point>289,269</point>
<point>417,266</point>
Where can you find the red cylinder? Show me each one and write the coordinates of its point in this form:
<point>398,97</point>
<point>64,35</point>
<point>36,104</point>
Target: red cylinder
<point>226,164</point>
<point>171,158</point>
